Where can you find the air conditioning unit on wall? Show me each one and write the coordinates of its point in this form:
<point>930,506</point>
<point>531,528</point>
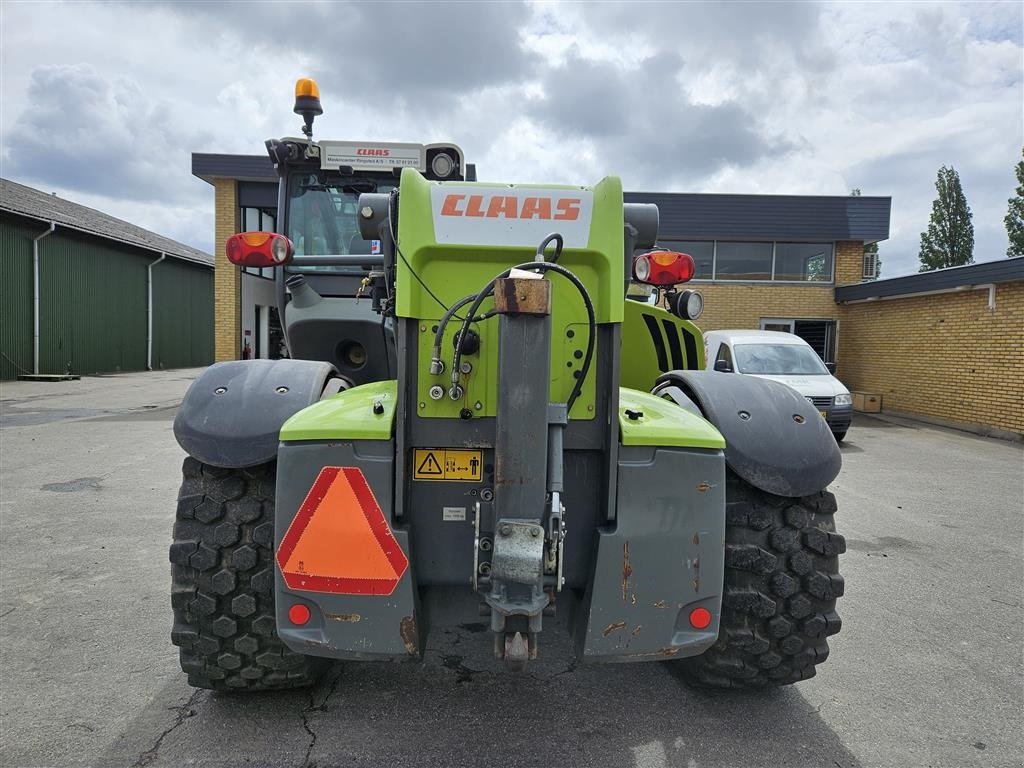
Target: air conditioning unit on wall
<point>870,271</point>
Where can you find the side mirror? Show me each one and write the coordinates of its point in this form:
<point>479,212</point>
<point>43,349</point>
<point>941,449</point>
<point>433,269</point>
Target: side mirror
<point>722,366</point>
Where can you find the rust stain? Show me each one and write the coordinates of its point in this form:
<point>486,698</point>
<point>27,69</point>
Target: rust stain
<point>660,653</point>
<point>704,487</point>
<point>627,571</point>
<point>696,539</point>
<point>660,604</point>
<point>612,627</point>
<point>410,635</point>
<point>696,585</point>
<point>353,617</point>
<point>636,631</point>
<point>632,599</point>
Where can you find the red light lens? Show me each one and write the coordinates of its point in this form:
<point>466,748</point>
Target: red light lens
<point>700,618</point>
<point>663,268</point>
<point>258,249</point>
<point>298,614</point>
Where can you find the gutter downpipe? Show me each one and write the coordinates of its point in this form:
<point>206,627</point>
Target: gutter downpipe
<point>35,297</point>
<point>149,311</point>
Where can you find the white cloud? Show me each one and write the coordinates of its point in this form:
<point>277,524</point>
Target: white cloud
<point>105,102</point>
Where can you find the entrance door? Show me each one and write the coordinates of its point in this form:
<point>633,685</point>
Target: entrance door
<point>821,335</point>
<point>776,324</point>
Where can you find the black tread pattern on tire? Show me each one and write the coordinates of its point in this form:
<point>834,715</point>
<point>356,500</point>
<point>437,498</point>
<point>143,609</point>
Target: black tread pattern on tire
<point>781,584</point>
<point>222,583</point>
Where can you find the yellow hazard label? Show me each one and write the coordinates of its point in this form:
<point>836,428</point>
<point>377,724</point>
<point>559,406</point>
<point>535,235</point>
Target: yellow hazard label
<point>448,464</point>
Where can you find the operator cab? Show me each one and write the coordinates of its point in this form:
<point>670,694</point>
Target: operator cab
<point>325,261</point>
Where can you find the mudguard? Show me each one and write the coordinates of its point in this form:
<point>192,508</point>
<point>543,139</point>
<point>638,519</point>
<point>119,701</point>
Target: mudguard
<point>232,413</point>
<point>774,438</point>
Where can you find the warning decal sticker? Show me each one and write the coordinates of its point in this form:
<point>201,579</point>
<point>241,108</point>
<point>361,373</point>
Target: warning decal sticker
<point>448,464</point>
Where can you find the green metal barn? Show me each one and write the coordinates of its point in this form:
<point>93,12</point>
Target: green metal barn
<point>83,292</point>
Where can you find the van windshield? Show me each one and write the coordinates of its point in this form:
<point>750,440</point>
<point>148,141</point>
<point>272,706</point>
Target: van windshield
<point>779,360</point>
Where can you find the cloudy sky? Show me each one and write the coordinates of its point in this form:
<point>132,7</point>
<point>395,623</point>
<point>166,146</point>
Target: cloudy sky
<point>103,103</point>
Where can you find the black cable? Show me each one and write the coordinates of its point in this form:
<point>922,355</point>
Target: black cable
<point>394,237</point>
<point>559,243</point>
<point>544,266</point>
<point>439,334</point>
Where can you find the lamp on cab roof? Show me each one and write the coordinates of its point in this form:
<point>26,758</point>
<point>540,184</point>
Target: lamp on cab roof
<point>307,103</point>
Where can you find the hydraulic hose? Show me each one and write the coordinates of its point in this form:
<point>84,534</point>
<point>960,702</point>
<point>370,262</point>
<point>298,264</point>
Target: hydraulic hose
<point>543,267</point>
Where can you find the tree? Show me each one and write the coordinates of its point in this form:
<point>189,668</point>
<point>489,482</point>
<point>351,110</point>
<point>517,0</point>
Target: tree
<point>870,249</point>
<point>1015,215</point>
<point>949,240</point>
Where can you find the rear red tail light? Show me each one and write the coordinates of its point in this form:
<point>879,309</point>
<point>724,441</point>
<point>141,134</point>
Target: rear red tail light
<point>298,614</point>
<point>700,618</point>
<point>259,249</point>
<point>663,268</point>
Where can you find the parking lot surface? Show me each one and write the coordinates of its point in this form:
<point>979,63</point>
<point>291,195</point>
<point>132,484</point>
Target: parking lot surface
<point>926,672</point>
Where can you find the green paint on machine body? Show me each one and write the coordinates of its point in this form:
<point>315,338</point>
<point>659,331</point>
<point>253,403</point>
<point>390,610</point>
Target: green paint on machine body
<point>645,419</point>
<point>361,413</point>
<point>655,341</point>
<point>454,270</point>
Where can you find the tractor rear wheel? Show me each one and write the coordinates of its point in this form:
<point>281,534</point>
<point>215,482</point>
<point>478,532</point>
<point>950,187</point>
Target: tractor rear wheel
<point>781,584</point>
<point>222,583</point>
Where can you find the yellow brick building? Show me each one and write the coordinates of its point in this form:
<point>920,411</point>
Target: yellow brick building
<point>946,346</point>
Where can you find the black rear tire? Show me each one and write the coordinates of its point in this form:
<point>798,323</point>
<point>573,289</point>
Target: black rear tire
<point>222,583</point>
<point>839,436</point>
<point>781,584</point>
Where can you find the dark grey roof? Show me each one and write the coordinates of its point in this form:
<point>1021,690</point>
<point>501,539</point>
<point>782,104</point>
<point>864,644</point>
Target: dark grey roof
<point>998,271</point>
<point>684,216</point>
<point>26,201</point>
<point>242,167</point>
<point>808,218</point>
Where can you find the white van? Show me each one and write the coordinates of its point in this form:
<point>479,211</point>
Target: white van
<point>785,358</point>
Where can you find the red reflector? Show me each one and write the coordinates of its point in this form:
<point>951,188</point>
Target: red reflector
<point>258,249</point>
<point>663,268</point>
<point>700,618</point>
<point>298,614</point>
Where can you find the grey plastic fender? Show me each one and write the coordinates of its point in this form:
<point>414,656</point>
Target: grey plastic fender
<point>774,438</point>
<point>233,412</point>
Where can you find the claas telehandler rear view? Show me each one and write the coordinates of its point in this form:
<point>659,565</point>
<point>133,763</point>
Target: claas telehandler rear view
<point>473,404</point>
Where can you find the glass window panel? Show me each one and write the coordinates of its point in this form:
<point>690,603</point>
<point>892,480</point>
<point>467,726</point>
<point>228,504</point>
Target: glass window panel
<point>250,219</point>
<point>805,262</point>
<point>267,220</point>
<point>702,251</point>
<point>743,261</point>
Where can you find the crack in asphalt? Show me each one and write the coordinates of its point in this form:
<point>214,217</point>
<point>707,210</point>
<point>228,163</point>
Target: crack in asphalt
<point>184,712</point>
<point>314,707</point>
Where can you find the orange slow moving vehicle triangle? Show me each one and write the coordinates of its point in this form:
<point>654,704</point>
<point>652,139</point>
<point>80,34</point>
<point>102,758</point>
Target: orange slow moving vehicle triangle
<point>340,541</point>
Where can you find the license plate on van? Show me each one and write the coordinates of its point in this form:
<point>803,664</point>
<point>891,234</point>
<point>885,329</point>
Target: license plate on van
<point>824,414</point>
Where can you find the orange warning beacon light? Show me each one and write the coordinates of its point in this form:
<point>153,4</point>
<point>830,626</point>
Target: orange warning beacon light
<point>339,541</point>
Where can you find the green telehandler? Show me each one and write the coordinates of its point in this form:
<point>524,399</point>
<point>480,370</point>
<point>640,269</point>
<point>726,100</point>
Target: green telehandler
<point>473,404</point>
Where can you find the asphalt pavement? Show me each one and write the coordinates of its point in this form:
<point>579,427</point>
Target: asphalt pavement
<point>927,670</point>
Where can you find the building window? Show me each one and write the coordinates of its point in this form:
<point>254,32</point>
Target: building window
<point>803,262</point>
<point>703,253</point>
<point>758,262</point>
<point>259,220</point>
<point>743,261</point>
